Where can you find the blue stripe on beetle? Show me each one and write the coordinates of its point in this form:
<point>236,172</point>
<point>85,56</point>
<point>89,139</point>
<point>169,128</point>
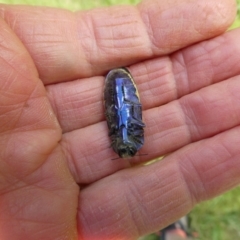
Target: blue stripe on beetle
<point>123,112</point>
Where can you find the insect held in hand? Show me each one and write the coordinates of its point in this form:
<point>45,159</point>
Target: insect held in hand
<point>123,113</point>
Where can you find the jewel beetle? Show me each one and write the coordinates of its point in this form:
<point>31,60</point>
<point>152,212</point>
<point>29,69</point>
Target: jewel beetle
<point>123,112</point>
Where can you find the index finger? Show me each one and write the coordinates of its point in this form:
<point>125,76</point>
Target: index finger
<point>67,46</point>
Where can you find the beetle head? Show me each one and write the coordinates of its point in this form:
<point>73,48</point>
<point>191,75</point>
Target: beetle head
<point>126,150</point>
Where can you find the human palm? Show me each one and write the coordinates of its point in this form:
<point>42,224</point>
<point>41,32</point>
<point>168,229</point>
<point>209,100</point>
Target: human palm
<point>57,177</point>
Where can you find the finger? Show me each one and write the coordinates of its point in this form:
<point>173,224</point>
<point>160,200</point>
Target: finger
<point>194,117</point>
<point>79,103</point>
<point>25,111</point>
<point>29,132</point>
<point>71,46</point>
<point>137,201</point>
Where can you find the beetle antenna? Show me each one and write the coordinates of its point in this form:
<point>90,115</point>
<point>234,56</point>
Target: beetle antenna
<point>144,154</point>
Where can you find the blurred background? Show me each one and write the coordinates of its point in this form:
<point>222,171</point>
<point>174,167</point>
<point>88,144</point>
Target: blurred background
<point>218,219</point>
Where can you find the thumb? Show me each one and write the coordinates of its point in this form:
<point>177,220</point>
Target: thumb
<point>35,184</point>
<point>28,126</point>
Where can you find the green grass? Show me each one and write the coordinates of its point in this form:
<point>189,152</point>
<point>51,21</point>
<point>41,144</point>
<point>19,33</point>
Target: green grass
<point>73,5</point>
<point>218,219</point>
<point>237,20</point>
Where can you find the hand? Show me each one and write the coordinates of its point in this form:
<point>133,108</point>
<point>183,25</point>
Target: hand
<point>54,138</point>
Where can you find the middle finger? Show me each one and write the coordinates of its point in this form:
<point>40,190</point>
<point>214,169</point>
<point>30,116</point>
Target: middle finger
<point>79,103</point>
<point>196,116</point>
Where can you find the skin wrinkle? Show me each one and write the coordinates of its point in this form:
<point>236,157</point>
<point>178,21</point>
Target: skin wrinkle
<point>33,121</point>
<point>9,154</point>
<point>90,158</point>
<point>217,63</point>
<point>19,188</point>
<point>43,50</point>
<point>12,24</point>
<point>16,208</point>
<point>205,175</point>
<point>121,36</point>
<point>171,123</point>
<point>92,171</point>
<point>70,159</point>
<point>210,47</point>
<point>14,122</point>
<point>18,72</point>
<point>235,114</point>
<point>159,135</point>
<point>190,185</point>
<point>130,211</point>
<point>86,101</point>
<point>165,206</point>
<point>190,114</point>
<point>86,25</point>
<point>191,160</point>
<point>219,6</point>
<point>144,208</point>
<point>47,226</point>
<point>219,154</point>
<point>14,69</point>
<point>169,204</point>
<point>14,93</point>
<point>4,49</point>
<point>143,198</point>
<point>137,213</point>
<point>11,186</point>
<point>190,121</point>
<point>177,60</point>
<point>93,39</point>
<point>4,85</point>
<point>145,15</point>
<point>14,108</point>
<point>52,42</point>
<point>208,100</point>
<point>10,95</point>
<point>176,123</point>
<point>163,74</point>
<point>162,66</point>
<point>108,216</point>
<point>41,160</point>
<point>19,183</point>
<point>51,97</point>
<point>51,227</point>
<point>186,74</point>
<point>163,12</point>
<point>216,176</point>
<point>207,60</point>
<point>113,38</point>
<point>133,38</point>
<point>89,167</point>
<point>147,26</point>
<point>173,78</point>
<point>115,221</point>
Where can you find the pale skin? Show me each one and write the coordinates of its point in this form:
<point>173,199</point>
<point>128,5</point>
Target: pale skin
<point>57,179</point>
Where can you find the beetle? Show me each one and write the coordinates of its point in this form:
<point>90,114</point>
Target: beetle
<point>123,112</point>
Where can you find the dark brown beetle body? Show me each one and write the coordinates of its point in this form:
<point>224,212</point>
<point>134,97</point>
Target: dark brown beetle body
<point>123,113</point>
